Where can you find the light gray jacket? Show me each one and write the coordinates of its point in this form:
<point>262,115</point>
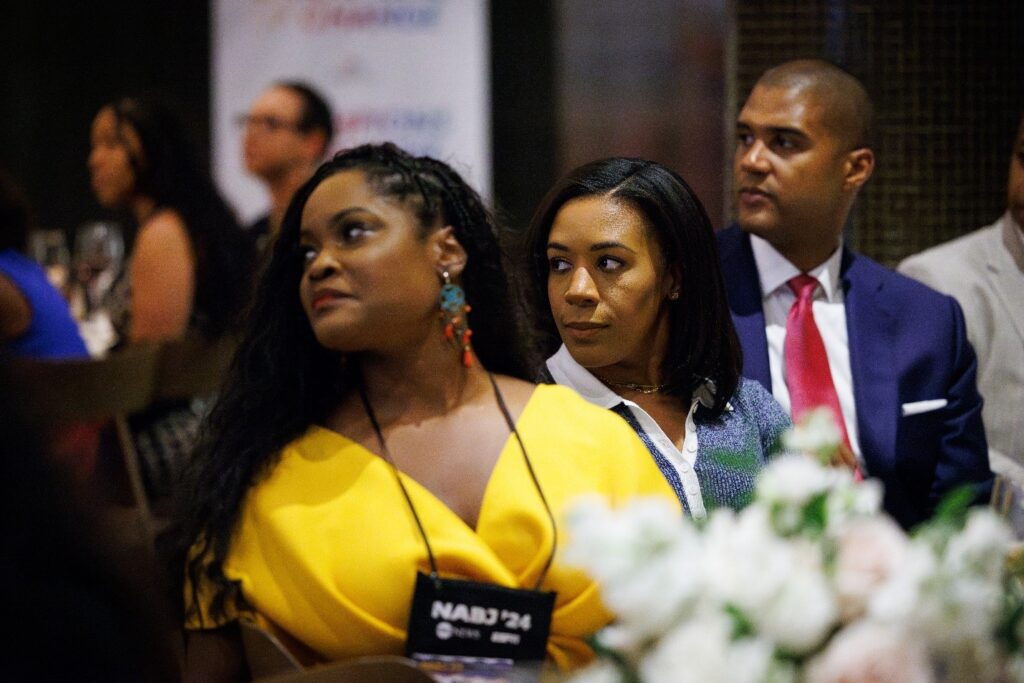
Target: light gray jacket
<point>984,272</point>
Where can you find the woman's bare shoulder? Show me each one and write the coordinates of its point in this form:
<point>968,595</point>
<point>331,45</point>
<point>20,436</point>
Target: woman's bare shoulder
<point>163,238</point>
<point>164,224</point>
<point>515,392</point>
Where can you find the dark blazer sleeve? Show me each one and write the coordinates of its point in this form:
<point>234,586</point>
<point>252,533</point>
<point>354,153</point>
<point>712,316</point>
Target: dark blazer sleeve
<point>908,343</point>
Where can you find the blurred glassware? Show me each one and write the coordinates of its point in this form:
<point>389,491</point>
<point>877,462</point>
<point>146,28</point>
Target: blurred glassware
<point>99,257</point>
<point>50,249</point>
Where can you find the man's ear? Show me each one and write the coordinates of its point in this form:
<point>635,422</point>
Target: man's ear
<point>858,168</point>
<point>447,252</point>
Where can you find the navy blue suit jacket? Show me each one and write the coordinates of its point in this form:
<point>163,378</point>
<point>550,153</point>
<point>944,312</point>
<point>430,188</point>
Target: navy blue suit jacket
<point>907,343</point>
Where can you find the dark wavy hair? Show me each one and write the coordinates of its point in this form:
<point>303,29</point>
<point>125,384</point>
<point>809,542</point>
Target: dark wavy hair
<point>282,380</point>
<point>702,340</point>
<point>169,172</point>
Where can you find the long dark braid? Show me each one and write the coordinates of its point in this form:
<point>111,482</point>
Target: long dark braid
<point>491,315</point>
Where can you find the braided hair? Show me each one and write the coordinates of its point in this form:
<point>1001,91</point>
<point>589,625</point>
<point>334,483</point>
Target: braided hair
<point>282,380</point>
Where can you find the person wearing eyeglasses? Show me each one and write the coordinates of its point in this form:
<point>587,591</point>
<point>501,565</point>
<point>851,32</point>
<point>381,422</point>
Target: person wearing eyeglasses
<point>286,134</point>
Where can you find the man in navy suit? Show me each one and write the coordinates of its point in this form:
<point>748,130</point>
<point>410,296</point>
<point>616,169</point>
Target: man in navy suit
<point>902,368</point>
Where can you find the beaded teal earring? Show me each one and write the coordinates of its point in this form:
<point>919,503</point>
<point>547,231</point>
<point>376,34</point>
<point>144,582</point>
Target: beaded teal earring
<point>454,315</point>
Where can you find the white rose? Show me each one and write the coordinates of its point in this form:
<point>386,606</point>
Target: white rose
<point>851,502</point>
<point>701,650</point>
<point>612,544</point>
<point>896,600</point>
<point>869,551</point>
<point>656,596</point>
<point>969,609</point>
<point>816,434</point>
<point>646,559</point>
<point>746,563</point>
<point>799,616</point>
<point>868,652</point>
<point>794,480</point>
<point>981,546</point>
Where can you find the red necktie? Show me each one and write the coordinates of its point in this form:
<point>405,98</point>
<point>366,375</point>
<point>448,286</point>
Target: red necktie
<point>807,373</point>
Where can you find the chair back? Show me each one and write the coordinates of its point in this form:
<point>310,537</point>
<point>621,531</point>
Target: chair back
<point>193,366</point>
<point>270,660</point>
<point>59,392</point>
<point>1008,490</point>
<point>265,654</point>
<point>127,381</point>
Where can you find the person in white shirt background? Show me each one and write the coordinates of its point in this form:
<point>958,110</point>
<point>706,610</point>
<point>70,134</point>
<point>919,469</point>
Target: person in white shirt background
<point>287,132</point>
<point>984,271</point>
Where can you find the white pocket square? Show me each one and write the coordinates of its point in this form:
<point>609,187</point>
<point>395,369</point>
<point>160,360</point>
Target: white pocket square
<point>918,407</point>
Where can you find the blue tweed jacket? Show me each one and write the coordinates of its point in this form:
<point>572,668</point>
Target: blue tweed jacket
<point>732,449</point>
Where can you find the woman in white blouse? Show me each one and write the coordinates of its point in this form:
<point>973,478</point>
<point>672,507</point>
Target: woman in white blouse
<point>626,283</point>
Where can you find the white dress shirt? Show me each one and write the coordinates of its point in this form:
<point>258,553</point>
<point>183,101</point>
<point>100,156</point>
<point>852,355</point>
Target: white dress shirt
<point>829,315</point>
<point>566,371</point>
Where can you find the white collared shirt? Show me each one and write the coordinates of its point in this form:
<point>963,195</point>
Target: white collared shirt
<point>829,314</point>
<point>566,371</point>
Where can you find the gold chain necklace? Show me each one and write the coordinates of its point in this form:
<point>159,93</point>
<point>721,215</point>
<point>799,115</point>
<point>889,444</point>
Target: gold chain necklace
<point>632,386</point>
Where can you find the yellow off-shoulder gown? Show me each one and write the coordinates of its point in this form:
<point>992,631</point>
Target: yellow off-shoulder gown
<point>327,549</point>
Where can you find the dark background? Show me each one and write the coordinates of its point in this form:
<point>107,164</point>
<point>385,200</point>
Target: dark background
<point>63,61</point>
<point>946,78</point>
<point>573,80</point>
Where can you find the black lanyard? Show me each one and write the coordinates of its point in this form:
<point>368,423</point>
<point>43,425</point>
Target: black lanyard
<point>526,458</point>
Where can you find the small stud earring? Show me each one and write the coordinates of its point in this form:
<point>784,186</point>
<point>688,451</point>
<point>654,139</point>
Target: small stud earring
<point>673,296</point>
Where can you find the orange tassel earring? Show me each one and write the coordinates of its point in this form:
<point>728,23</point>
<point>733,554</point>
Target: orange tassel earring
<point>455,316</point>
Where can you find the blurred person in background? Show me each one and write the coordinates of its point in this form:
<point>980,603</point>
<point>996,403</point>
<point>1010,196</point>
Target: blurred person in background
<point>984,271</point>
<point>287,132</point>
<point>189,266</point>
<point>629,295</point>
<point>34,318</point>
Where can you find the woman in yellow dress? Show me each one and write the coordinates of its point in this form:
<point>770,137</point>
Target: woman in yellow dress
<point>362,440</point>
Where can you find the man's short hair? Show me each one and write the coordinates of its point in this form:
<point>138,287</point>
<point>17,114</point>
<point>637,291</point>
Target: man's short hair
<point>848,110</point>
<point>316,113</point>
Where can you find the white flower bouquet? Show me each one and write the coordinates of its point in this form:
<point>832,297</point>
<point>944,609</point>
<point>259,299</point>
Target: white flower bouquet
<point>810,582</point>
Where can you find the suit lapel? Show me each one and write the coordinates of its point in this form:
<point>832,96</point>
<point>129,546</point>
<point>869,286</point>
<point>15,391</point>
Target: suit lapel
<point>744,290</point>
<point>870,329</point>
<point>1005,262</point>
